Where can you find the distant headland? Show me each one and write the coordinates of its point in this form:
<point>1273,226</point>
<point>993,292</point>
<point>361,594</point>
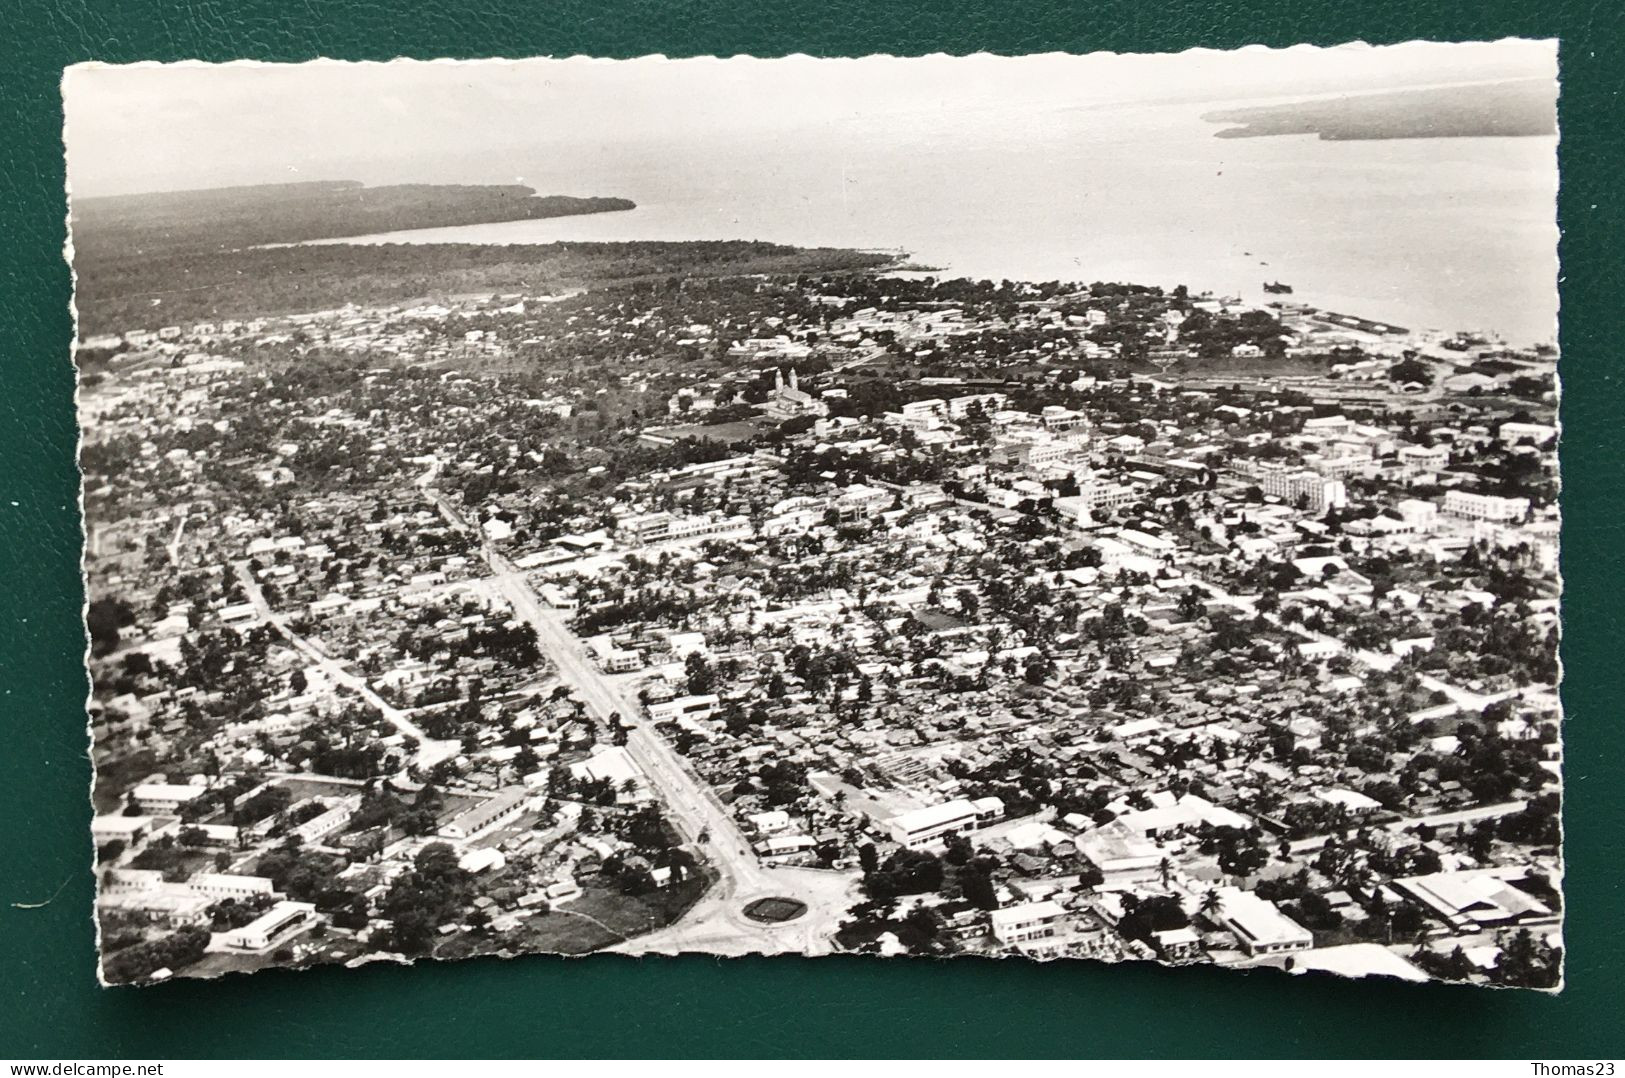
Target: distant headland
<point>172,222</point>
<point>1518,107</point>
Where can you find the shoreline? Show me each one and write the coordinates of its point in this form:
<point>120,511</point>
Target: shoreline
<point>1370,309</point>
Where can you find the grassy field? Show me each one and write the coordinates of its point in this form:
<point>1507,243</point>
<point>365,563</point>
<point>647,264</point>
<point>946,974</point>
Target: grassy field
<point>217,963</point>
<point>119,773</point>
<point>303,787</point>
<point>601,917</point>
<point>775,910</point>
<point>736,431</point>
<point>562,933</point>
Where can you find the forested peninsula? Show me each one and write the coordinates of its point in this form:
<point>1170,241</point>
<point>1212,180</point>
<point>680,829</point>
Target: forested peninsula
<point>230,217</point>
<point>175,258</point>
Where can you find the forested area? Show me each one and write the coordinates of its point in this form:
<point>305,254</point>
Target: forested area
<point>180,222</point>
<point>129,289</point>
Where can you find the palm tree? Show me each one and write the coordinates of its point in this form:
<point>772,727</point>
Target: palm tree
<point>1210,903</point>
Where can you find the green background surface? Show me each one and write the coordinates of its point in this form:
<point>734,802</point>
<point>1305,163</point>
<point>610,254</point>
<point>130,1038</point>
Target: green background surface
<point>50,1005</point>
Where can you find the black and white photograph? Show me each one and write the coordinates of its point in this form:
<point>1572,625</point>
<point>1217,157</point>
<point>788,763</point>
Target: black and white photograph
<point>1031,507</point>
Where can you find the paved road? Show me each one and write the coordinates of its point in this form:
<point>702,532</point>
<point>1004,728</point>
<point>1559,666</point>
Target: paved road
<point>694,810</point>
<point>430,751</point>
<point>716,923</point>
<point>858,361</point>
<point>173,547</point>
<point>1451,818</point>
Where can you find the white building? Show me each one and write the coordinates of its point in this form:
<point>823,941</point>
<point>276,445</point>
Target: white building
<point>126,829</point>
<point>319,827</point>
<point>1328,426</point>
<point>612,764</point>
<point>684,707</point>
<point>923,826</point>
<point>770,823</point>
<point>1461,503</point>
<point>1538,433</point>
<point>666,527</point>
<point>1027,922</point>
<point>959,407</point>
<point>226,885</point>
<point>487,814</point>
<point>281,920</point>
<point>1259,926</point>
<point>614,660</point>
<point>164,798</point>
<point>1315,492</point>
<point>1424,458</point>
<point>1420,515</point>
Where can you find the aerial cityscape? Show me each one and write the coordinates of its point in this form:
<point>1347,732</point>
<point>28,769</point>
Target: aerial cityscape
<point>740,596</point>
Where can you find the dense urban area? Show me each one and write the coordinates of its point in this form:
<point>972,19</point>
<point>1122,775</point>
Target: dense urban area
<point>856,611</point>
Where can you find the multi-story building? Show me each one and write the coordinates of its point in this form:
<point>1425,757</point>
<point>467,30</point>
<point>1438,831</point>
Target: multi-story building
<point>1424,458</point>
<point>1028,922</point>
<point>1461,503</point>
<point>1313,491</point>
<point>227,885</point>
<point>1538,433</point>
<point>921,827</point>
<point>1339,467</point>
<point>684,707</point>
<point>1328,426</point>
<point>1420,515</point>
<point>164,798</point>
<point>664,527</point>
<point>923,415</point>
<point>959,407</point>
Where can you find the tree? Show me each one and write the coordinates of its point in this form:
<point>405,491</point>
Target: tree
<point>1158,913</point>
<point>979,889</point>
<point>173,952</point>
<point>419,900</point>
<point>1039,670</point>
<point>1411,370</point>
<point>906,872</point>
<point>868,858</point>
<point>1527,961</point>
<point>1455,966</point>
<point>1315,911</point>
<point>701,679</point>
<point>104,618</point>
<point>1407,921</point>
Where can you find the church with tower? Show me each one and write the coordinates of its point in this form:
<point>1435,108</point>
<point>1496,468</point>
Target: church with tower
<point>789,400</point>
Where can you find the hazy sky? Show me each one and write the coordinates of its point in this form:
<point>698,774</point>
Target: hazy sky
<point>168,127</point>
